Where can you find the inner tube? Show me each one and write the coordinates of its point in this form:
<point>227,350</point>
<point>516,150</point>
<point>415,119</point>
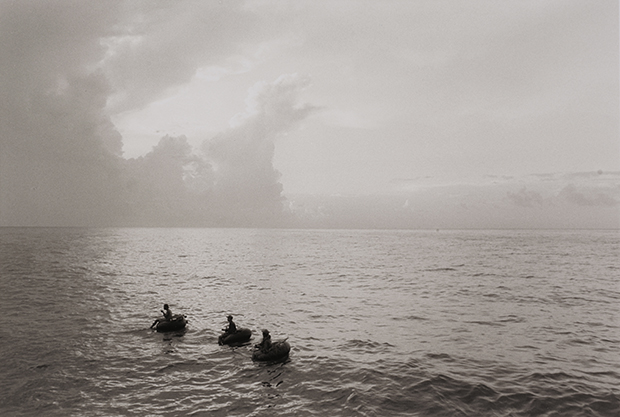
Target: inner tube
<point>277,352</point>
<point>177,322</point>
<point>240,336</point>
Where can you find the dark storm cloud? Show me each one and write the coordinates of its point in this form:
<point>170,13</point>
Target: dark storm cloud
<point>58,149</point>
<point>60,155</point>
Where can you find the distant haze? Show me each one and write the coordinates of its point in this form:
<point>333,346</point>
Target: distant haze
<point>326,114</point>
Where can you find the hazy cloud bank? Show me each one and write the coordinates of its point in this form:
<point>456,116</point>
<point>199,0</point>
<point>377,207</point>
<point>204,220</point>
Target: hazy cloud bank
<point>66,66</point>
<point>562,201</point>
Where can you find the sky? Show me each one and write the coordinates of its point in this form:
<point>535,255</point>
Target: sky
<point>324,114</point>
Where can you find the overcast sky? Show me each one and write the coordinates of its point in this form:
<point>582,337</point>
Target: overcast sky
<point>427,114</point>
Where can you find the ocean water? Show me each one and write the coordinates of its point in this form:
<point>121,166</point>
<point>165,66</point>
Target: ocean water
<point>381,323</point>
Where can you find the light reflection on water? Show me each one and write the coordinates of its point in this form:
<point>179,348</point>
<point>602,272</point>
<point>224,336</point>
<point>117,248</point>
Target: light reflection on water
<point>378,321</point>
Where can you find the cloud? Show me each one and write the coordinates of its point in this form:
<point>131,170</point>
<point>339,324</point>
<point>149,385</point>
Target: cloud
<point>231,180</point>
<point>161,45</point>
<point>59,151</point>
<point>533,201</point>
<point>156,191</point>
<point>242,156</point>
<point>587,196</point>
<point>525,198</point>
<point>464,99</point>
<point>62,63</point>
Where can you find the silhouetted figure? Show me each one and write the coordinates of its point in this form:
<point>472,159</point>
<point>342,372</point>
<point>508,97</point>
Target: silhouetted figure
<point>232,327</point>
<point>265,344</point>
<point>167,316</point>
<point>167,312</point>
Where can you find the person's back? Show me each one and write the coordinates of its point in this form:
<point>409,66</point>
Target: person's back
<point>167,312</point>
<point>232,327</point>
<point>265,344</point>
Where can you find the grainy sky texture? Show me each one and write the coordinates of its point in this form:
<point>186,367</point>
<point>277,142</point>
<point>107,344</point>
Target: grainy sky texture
<point>386,114</point>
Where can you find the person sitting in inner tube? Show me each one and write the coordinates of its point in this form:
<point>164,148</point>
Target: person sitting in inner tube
<point>167,312</point>
<point>232,327</point>
<point>265,344</point>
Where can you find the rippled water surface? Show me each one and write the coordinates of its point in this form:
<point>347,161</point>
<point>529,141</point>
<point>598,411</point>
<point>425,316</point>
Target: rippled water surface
<point>381,323</point>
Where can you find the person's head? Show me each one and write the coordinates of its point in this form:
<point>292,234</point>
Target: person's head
<point>166,307</point>
<point>265,332</point>
<point>229,318</point>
